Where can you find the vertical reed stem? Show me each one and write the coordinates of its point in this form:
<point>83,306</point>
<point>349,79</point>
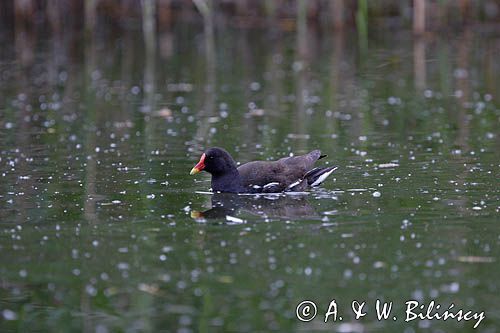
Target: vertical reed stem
<point>418,17</point>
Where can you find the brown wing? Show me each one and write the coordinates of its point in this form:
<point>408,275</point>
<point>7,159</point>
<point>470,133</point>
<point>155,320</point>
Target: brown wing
<point>284,172</point>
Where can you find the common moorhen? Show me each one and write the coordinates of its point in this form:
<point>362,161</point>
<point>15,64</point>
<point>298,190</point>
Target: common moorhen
<point>287,174</point>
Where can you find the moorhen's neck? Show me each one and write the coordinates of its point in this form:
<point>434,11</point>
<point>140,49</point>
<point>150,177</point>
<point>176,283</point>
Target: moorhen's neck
<point>228,181</point>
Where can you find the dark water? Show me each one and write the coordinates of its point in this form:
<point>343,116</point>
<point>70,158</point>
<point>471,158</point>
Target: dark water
<point>100,222</point>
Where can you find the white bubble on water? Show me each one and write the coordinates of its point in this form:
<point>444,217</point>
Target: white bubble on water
<point>101,329</point>
<point>255,86</point>
<point>90,290</point>
<point>166,249</point>
<point>9,314</point>
<point>122,266</point>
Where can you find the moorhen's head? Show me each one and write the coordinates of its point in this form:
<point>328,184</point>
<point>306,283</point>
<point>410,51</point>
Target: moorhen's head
<point>216,161</point>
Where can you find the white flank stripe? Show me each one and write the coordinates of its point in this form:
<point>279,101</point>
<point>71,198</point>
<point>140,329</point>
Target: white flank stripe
<point>234,219</point>
<point>295,184</point>
<point>322,177</point>
<point>271,185</point>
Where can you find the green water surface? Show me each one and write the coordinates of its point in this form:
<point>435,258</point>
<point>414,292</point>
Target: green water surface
<point>101,226</point>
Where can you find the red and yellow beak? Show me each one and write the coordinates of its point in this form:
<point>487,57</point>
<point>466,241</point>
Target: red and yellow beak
<point>198,167</point>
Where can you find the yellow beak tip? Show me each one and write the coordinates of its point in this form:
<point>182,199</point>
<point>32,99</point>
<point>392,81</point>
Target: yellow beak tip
<point>194,171</point>
<point>196,215</point>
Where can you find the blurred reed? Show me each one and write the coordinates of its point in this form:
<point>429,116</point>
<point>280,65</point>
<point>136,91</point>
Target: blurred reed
<point>419,15</point>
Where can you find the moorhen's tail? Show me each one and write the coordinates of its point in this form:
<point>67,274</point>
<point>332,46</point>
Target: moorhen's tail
<point>317,176</point>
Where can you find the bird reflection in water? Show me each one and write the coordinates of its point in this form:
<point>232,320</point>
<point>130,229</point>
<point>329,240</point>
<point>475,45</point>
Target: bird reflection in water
<point>229,205</point>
